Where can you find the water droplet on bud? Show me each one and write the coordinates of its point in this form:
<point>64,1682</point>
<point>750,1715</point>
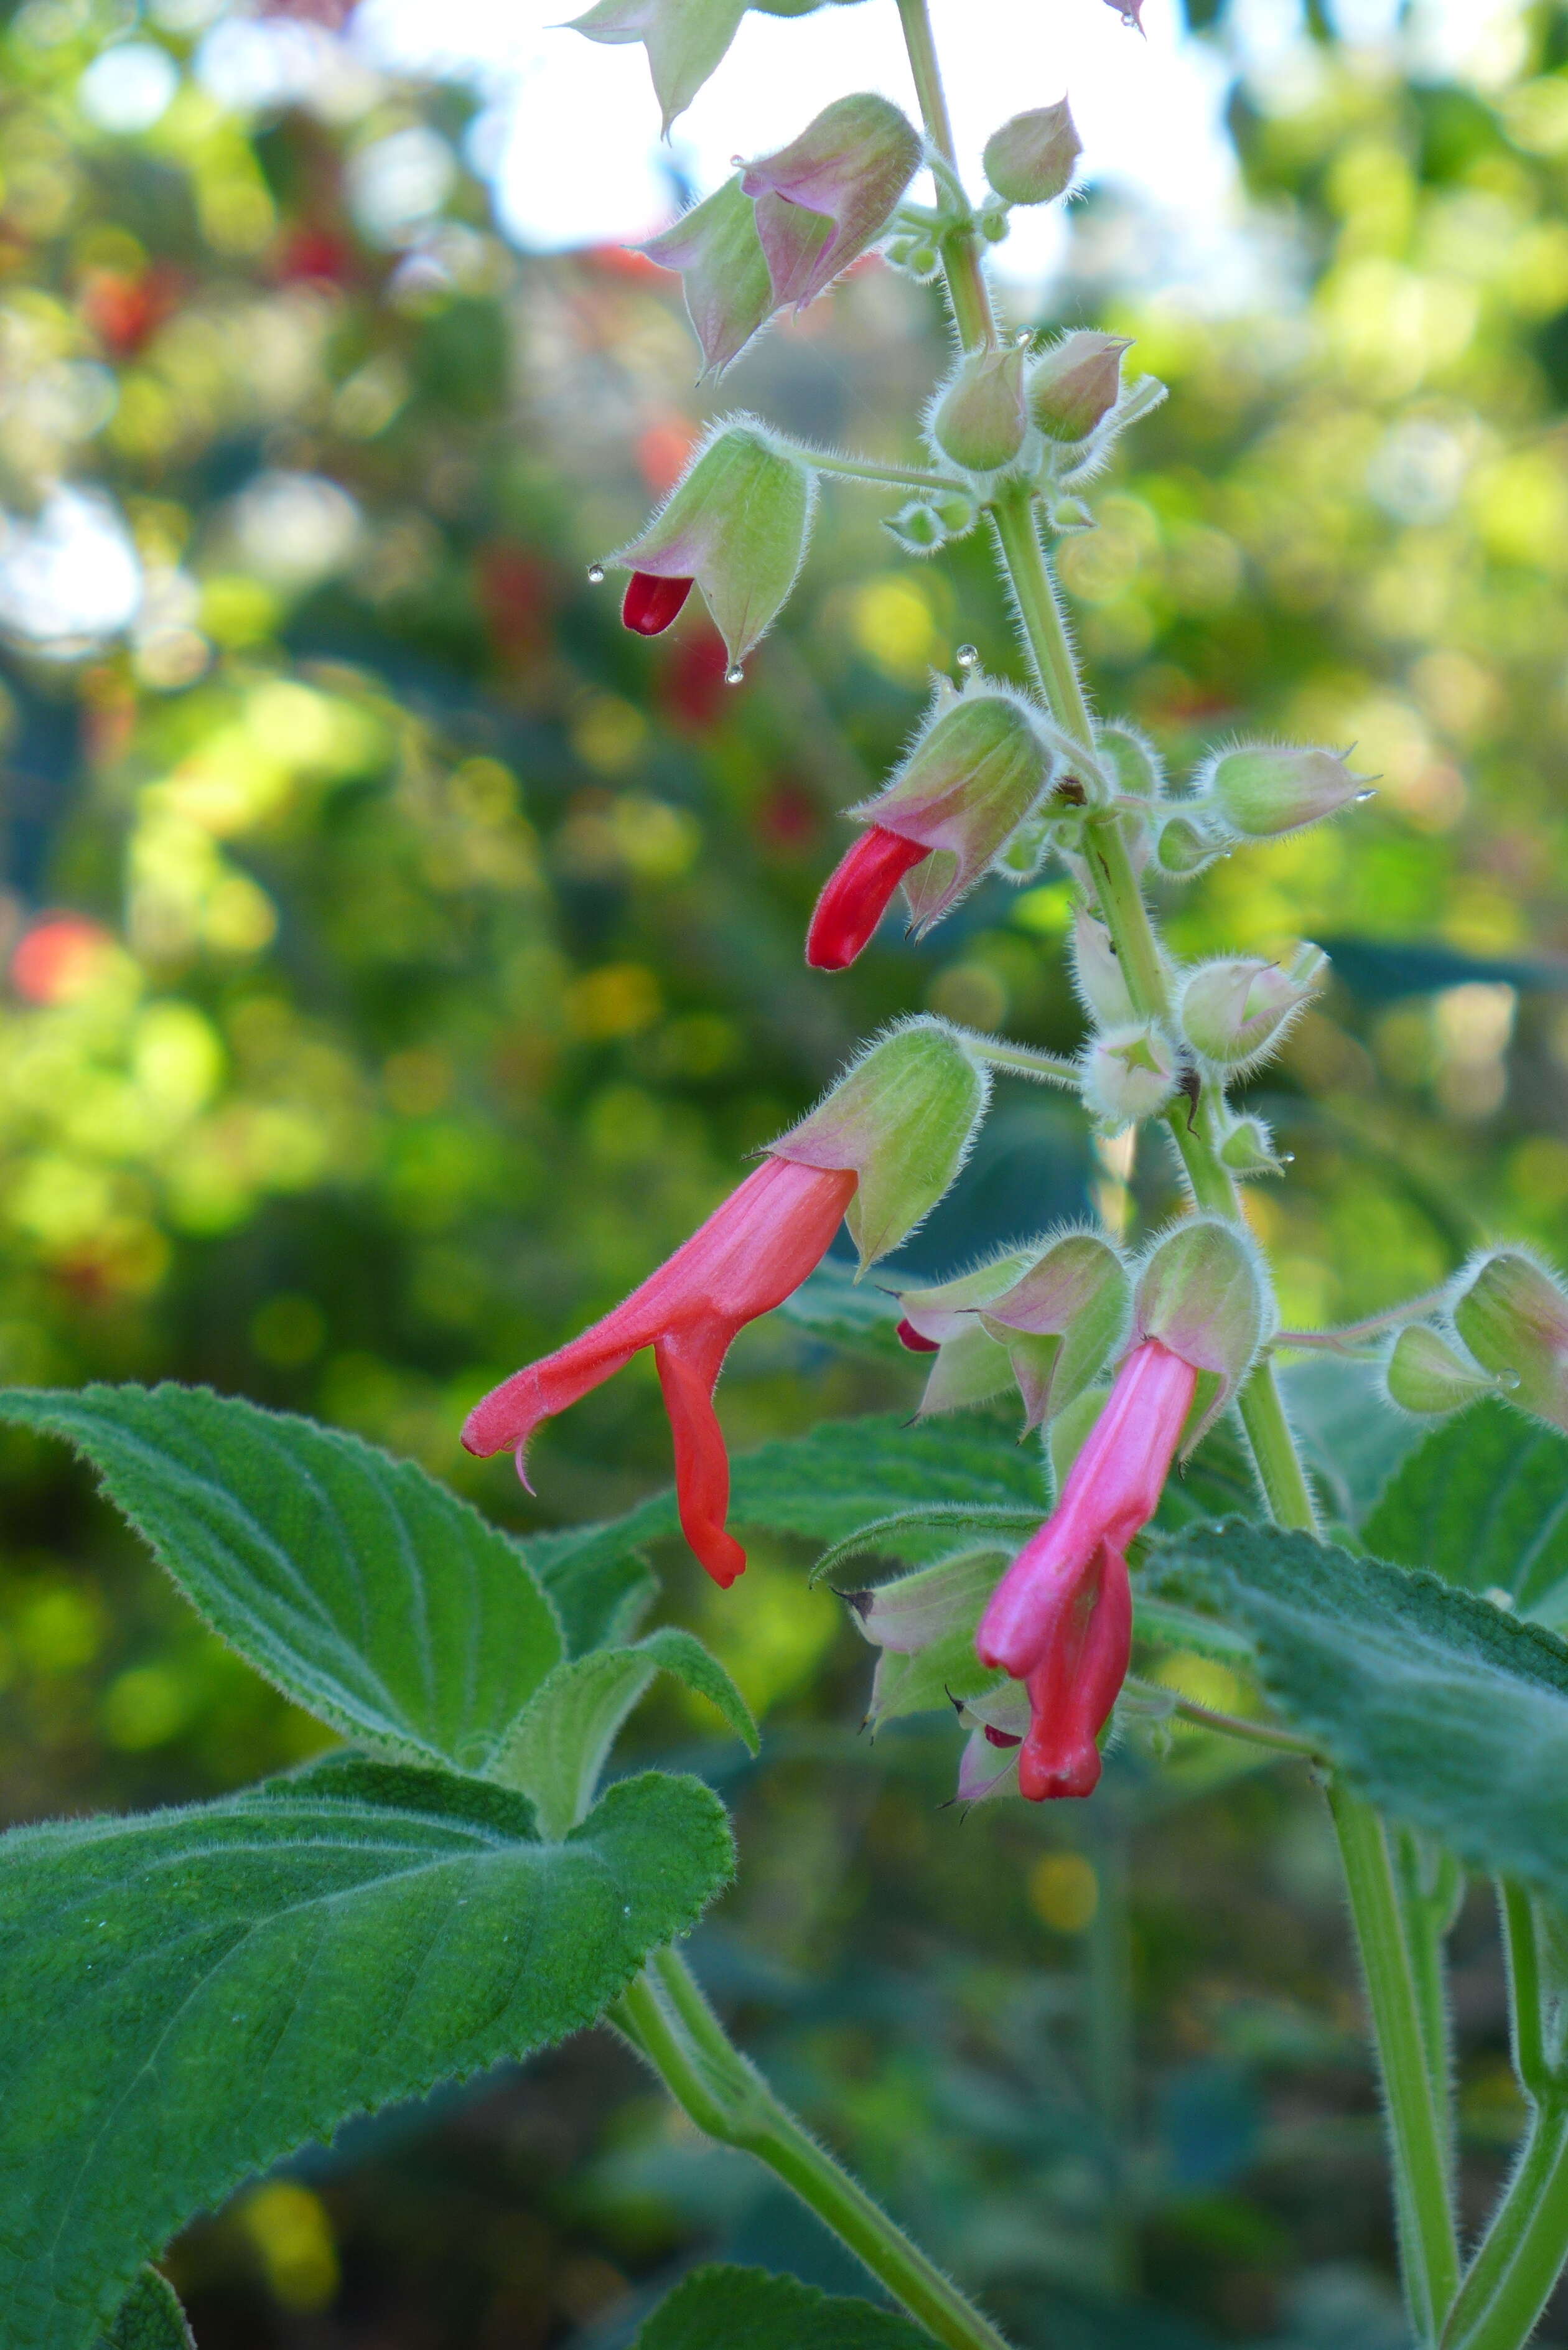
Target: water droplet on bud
<point>967,656</point>
<point>735,674</point>
<point>595,574</point>
<point>1024,334</point>
<point>1287,1158</point>
<point>1362,797</point>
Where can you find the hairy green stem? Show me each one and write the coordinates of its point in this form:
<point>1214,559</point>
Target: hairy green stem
<point>862,469</point>
<point>1429,2249</point>
<point>1228,1725</point>
<point>1347,1335</point>
<point>1024,1060</point>
<point>1521,2256</point>
<point>666,2017</point>
<point>1428,2241</point>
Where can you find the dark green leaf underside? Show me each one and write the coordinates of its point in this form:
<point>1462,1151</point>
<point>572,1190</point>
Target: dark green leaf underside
<point>150,2318</point>
<point>187,1996</point>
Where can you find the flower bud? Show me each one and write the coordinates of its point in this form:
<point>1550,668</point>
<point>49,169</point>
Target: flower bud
<point>902,1117</point>
<point>1247,1147</point>
<point>824,199</point>
<point>1132,765</point>
<point>1232,1010</point>
<point>977,767</point>
<point>1201,1296</point>
<point>1186,845</point>
<point>1076,384</point>
<point>1061,1321</point>
<point>737,523</point>
<point>1264,789</point>
<point>685,39</point>
<point>1030,159</point>
<point>724,273</point>
<point>971,1366</point>
<point>914,1611</point>
<point>916,527</point>
<point>1427,1376</point>
<point>980,419</point>
<point>1129,1073</point>
<point>1097,973</point>
<point>1513,1318</point>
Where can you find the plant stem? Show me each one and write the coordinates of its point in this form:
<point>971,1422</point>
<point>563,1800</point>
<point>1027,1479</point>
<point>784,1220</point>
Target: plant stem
<point>959,250</point>
<point>1025,1060</point>
<point>1229,1725</point>
<point>1350,1334</point>
<point>1428,2247</point>
<point>1430,2258</point>
<point>666,2017</point>
<point>862,469</point>
<point>1520,2257</point>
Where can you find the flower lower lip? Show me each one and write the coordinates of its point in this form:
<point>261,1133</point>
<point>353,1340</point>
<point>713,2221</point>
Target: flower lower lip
<point>856,894</point>
<point>910,1336</point>
<point>651,604</point>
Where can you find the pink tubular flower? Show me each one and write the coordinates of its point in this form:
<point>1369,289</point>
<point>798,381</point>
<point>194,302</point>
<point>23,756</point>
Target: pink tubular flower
<point>856,897</point>
<point>1061,1618</point>
<point>748,1257</point>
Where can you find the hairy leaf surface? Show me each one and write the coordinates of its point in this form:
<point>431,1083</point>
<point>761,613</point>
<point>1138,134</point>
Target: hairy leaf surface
<point>364,1589</point>
<point>560,1746</point>
<point>748,2309</point>
<point>1447,1712</point>
<point>1484,1502</point>
<point>186,1996</point>
<point>149,2318</point>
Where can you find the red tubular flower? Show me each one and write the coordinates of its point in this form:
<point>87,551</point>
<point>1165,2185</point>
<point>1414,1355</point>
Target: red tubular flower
<point>748,1257</point>
<point>856,894</point>
<point>1061,1618</point>
<point>651,604</point>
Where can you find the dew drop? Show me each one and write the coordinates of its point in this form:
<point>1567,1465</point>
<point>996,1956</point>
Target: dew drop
<point>1362,797</point>
<point>1287,1158</point>
<point>967,656</point>
<point>626,1910</point>
<point>1024,336</point>
<point>595,574</point>
<point>735,674</point>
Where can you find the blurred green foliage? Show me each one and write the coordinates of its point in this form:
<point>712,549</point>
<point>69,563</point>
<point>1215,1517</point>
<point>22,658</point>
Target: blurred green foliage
<point>402,958</point>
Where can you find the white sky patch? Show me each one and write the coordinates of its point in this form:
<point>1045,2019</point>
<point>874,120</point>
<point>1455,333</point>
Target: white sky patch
<point>571,137</point>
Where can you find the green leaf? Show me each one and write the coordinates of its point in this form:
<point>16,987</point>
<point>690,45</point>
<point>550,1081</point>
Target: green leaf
<point>600,1594</point>
<point>857,1315</point>
<point>1484,1502</point>
<point>1216,1481</point>
<point>186,1996</point>
<point>726,2308</point>
<point>150,2318</point>
<point>1447,1712</point>
<point>1352,1437</point>
<point>367,1592</point>
<point>558,1746</point>
<point>841,1476</point>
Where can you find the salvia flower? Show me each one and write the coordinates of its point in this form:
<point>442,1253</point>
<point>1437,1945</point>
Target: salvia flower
<point>685,39</point>
<point>724,273</point>
<point>1030,159</point>
<point>1128,1073</point>
<point>1234,1009</point>
<point>1061,1618</point>
<point>980,419</point>
<point>1263,790</point>
<point>828,195</point>
<point>880,1149</point>
<point>978,765</point>
<point>737,524</point>
<point>1426,1375</point>
<point>1075,385</point>
<point>750,1255</point>
<point>1512,1315</point>
<point>1200,1292</point>
<point>903,1115</point>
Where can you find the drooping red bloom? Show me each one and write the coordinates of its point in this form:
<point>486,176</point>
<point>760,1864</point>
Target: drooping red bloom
<point>1061,1618</point>
<point>748,1257</point>
<point>652,604</point>
<point>856,896</point>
